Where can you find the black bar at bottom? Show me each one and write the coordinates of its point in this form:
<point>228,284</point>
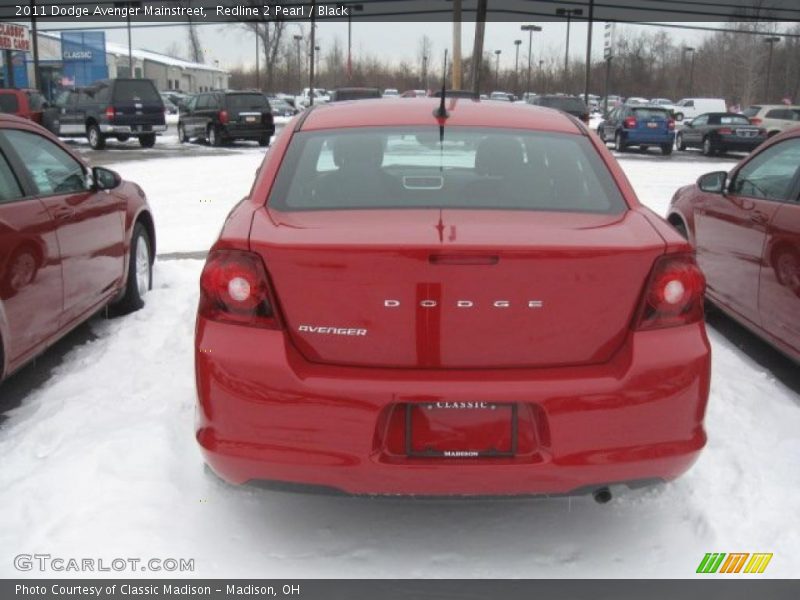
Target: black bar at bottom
<point>705,587</point>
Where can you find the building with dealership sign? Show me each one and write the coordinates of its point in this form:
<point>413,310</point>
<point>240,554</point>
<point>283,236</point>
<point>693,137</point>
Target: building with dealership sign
<point>77,58</point>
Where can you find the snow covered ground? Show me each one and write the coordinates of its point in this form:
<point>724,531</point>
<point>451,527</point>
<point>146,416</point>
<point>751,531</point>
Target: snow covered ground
<point>100,460</point>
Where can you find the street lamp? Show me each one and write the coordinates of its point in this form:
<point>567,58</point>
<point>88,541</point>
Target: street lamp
<point>530,29</point>
<point>772,40</point>
<point>350,8</point>
<point>496,68</point>
<point>316,55</point>
<point>569,13</point>
<point>691,68</point>
<point>425,71</point>
<point>516,67</point>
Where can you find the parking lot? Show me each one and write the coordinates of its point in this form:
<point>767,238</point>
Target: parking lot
<point>99,457</point>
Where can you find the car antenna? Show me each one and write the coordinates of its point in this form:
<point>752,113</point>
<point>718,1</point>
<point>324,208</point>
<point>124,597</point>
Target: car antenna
<point>441,112</point>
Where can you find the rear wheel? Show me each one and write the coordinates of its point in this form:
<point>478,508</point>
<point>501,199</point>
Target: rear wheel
<point>680,143</point>
<point>97,140</point>
<point>601,135</point>
<point>140,272</point>
<point>147,141</point>
<point>666,149</point>
<point>213,136</point>
<point>618,143</point>
<point>263,140</point>
<point>708,147</point>
<point>182,134</point>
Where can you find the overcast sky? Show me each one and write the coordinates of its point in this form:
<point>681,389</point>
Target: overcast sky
<point>233,47</point>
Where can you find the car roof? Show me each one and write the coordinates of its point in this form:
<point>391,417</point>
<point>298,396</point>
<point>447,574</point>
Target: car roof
<point>462,113</point>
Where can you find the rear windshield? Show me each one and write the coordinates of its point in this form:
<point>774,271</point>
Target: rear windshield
<point>471,168</point>
<point>9,103</point>
<point>650,113</point>
<point>566,103</point>
<point>136,91</point>
<point>247,102</point>
<point>728,120</point>
<point>751,111</point>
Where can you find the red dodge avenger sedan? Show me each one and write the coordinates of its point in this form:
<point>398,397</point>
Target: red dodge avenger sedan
<point>468,301</point>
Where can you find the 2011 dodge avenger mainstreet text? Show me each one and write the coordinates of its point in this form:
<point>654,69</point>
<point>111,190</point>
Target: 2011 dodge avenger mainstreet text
<point>432,299</point>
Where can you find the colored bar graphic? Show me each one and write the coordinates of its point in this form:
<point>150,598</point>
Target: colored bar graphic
<point>758,563</point>
<point>714,562</point>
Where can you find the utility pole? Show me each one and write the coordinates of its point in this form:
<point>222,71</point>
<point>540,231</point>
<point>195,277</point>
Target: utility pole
<point>588,81</point>
<point>258,70</point>
<point>477,49</point>
<point>530,29</point>
<point>37,76</point>
<point>350,9</point>
<point>299,38</point>
<point>516,67</point>
<point>497,68</point>
<point>691,70</point>
<point>772,40</point>
<point>456,45</point>
<point>569,13</point>
<point>311,61</point>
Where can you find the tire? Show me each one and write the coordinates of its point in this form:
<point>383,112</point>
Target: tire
<point>213,136</point>
<point>123,138</point>
<point>147,141</point>
<point>182,134</point>
<point>97,140</point>
<point>680,143</point>
<point>679,116</point>
<point>618,143</point>
<point>601,135</point>
<point>708,147</point>
<point>263,141</point>
<point>666,149</point>
<point>140,272</point>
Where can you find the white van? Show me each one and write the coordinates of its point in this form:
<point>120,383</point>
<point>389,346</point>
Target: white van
<point>689,108</point>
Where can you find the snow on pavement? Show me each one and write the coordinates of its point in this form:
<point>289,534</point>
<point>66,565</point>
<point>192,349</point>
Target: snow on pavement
<point>100,461</point>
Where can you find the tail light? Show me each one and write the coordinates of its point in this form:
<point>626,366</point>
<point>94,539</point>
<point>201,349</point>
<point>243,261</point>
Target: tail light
<point>725,131</point>
<point>671,124</point>
<point>223,117</point>
<point>234,288</point>
<point>674,293</point>
<point>110,112</point>
<point>630,123</point>
<point>755,121</point>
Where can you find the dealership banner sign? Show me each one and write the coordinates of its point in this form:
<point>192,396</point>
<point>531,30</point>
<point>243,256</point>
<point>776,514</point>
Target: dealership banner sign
<point>15,37</point>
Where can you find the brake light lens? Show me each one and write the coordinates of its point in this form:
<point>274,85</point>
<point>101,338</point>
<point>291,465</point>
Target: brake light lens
<point>725,131</point>
<point>234,288</point>
<point>630,123</point>
<point>110,112</point>
<point>755,121</point>
<point>674,293</point>
<point>223,117</point>
<point>671,124</point>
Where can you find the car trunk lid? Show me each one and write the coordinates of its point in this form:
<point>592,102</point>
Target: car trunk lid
<point>452,289</point>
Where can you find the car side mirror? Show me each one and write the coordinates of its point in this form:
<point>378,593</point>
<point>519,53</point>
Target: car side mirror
<point>713,183</point>
<point>105,179</point>
<point>687,123</point>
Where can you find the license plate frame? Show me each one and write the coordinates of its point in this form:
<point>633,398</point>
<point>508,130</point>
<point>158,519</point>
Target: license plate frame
<point>652,124</point>
<point>470,453</point>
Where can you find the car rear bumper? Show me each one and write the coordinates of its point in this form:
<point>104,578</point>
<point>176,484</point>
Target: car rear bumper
<point>742,144</point>
<point>265,413</point>
<point>132,130</point>
<point>645,137</point>
<point>244,132</point>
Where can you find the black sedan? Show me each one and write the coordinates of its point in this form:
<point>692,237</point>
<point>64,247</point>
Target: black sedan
<point>720,132</point>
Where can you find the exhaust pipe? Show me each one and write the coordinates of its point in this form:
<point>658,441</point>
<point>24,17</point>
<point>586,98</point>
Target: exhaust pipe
<point>602,495</point>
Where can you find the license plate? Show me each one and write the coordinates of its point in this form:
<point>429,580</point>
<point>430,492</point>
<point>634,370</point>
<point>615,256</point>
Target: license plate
<point>652,125</point>
<point>745,133</point>
<point>249,119</point>
<point>461,429</point>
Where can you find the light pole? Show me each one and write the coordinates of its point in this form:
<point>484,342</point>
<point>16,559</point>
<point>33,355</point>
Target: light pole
<point>258,69</point>
<point>530,29</point>
<point>299,38</point>
<point>497,68</point>
<point>588,80</point>
<point>516,67</point>
<point>772,40</point>
<point>316,54</point>
<point>691,68</point>
<point>569,13</point>
<point>351,8</point>
<point>425,71</point>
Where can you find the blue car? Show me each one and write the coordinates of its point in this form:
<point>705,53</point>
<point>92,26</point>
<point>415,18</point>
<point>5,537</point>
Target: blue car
<point>641,126</point>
